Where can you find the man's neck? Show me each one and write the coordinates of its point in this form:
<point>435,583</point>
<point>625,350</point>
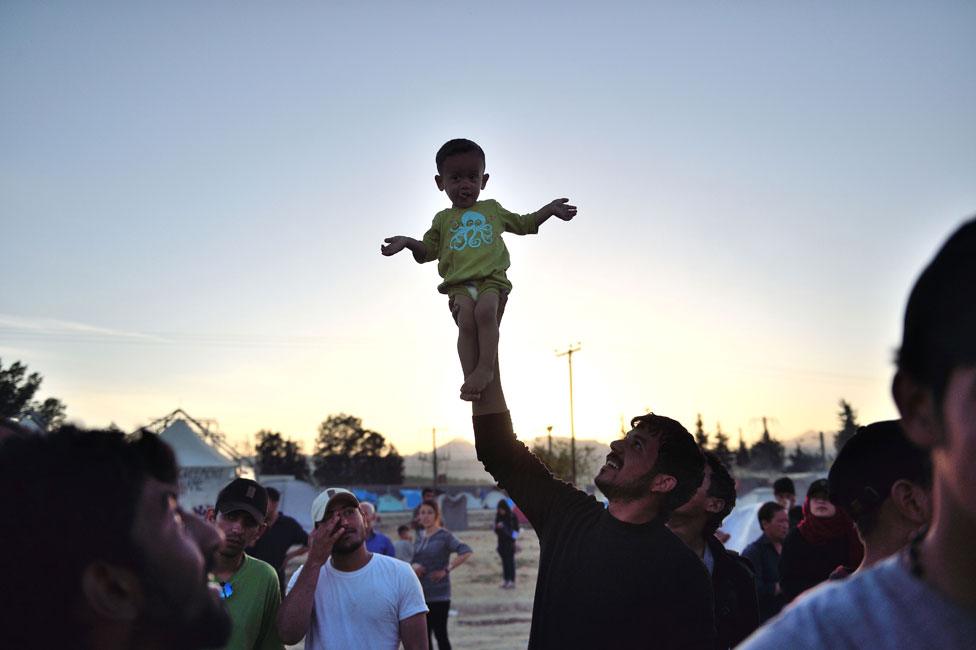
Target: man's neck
<point>878,548</point>
<point>352,561</point>
<point>947,561</point>
<point>225,567</point>
<point>636,511</point>
<point>689,530</point>
<point>777,545</point>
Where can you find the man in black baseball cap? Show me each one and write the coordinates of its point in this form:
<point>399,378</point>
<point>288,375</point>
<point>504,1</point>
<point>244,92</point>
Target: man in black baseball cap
<point>884,483</point>
<point>248,586</point>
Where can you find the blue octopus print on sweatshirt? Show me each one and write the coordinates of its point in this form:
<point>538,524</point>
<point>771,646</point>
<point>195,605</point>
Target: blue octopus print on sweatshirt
<point>472,231</point>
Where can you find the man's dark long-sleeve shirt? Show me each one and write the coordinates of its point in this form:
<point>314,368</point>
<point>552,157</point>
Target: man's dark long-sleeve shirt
<point>736,604</point>
<point>602,583</point>
<point>765,564</point>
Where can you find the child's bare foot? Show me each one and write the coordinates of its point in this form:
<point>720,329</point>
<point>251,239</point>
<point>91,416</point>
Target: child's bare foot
<point>476,382</point>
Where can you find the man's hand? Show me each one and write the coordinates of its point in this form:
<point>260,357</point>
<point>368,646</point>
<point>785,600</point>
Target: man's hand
<point>438,575</point>
<point>419,569</point>
<point>394,245</point>
<point>561,209</point>
<point>323,538</point>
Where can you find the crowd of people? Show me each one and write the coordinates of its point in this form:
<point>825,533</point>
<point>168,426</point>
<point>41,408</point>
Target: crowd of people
<point>100,555</point>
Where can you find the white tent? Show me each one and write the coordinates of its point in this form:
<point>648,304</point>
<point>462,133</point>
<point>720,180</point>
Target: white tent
<point>203,469</point>
<point>296,497</point>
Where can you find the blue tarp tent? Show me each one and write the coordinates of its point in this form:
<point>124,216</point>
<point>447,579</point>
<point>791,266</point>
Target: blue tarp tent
<point>365,495</point>
<point>411,498</point>
<point>389,503</point>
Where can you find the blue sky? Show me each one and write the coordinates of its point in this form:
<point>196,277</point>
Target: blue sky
<point>192,199</point>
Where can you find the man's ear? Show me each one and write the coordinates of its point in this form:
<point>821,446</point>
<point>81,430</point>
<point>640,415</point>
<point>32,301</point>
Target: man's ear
<point>211,515</point>
<point>484,181</point>
<point>663,483</point>
<point>714,505</point>
<point>112,592</point>
<point>262,529</point>
<point>913,502</point>
<point>917,407</point>
<point>439,181</point>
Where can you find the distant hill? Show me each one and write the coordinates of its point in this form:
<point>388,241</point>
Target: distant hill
<point>457,459</point>
<point>810,441</point>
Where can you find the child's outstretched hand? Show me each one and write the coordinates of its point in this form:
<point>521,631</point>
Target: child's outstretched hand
<point>560,208</point>
<point>393,245</point>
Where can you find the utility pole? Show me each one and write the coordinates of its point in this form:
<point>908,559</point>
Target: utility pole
<point>823,453</point>
<point>549,436</point>
<point>433,435</point>
<point>568,353</point>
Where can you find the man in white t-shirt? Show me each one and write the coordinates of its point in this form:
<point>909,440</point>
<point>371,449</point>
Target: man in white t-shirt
<point>344,596</point>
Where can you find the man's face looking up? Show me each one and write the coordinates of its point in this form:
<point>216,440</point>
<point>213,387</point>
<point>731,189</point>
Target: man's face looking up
<point>351,518</point>
<point>627,473</point>
<point>176,552</point>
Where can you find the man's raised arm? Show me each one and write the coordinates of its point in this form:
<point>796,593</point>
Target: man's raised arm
<point>295,612</point>
<point>516,469</point>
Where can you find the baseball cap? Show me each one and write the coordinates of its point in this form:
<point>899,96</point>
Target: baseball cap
<point>875,457</point>
<point>820,487</point>
<point>322,501</point>
<point>244,494</point>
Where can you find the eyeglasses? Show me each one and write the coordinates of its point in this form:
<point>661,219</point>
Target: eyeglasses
<point>226,590</point>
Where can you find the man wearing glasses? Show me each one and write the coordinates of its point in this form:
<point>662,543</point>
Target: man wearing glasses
<point>248,586</point>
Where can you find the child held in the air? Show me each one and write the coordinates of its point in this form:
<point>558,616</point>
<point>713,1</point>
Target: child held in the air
<point>472,258</point>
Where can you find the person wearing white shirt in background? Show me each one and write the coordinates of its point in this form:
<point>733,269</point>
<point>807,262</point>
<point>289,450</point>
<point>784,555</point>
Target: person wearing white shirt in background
<point>346,597</point>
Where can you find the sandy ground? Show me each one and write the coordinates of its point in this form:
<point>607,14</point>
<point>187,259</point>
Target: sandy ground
<point>484,616</point>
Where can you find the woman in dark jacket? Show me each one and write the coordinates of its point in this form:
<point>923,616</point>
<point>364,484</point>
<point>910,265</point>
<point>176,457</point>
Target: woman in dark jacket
<point>824,540</point>
<point>506,528</point>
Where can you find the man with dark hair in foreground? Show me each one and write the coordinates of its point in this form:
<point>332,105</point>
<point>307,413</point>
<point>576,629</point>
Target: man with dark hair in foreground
<point>924,597</point>
<point>733,583</point>
<point>611,577</point>
<point>98,555</point>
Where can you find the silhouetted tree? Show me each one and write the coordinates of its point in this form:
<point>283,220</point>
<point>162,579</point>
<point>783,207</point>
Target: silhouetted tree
<point>767,453</point>
<point>17,390</point>
<point>848,425</point>
<point>801,461</point>
<point>275,455</point>
<point>721,448</point>
<point>560,461</point>
<point>700,436</point>
<point>347,453</point>
<point>742,455</point>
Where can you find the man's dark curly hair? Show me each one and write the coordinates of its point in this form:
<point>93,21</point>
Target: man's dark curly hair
<point>678,455</point>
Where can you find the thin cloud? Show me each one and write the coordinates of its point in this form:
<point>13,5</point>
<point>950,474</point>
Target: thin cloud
<point>62,329</point>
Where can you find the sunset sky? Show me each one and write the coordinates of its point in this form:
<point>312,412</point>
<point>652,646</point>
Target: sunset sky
<point>193,196</point>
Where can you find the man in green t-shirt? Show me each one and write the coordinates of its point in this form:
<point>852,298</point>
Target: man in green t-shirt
<point>249,586</point>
